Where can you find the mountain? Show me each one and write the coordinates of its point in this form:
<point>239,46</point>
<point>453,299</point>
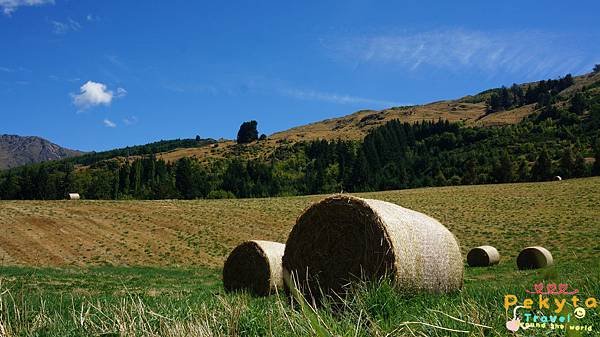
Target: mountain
<point>18,150</point>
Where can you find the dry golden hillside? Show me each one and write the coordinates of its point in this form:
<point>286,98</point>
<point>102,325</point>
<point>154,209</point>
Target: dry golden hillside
<point>470,109</point>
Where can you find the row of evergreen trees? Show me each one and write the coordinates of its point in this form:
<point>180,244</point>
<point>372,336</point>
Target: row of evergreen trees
<point>541,93</point>
<point>554,141</point>
<point>395,156</point>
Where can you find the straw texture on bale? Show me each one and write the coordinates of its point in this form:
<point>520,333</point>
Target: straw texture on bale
<point>254,266</point>
<point>344,238</point>
<point>483,256</point>
<point>534,258</point>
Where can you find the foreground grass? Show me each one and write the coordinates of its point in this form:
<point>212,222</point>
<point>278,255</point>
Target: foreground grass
<point>115,301</point>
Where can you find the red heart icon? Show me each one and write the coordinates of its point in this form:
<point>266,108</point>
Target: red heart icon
<point>562,288</point>
<point>539,288</point>
<point>551,288</point>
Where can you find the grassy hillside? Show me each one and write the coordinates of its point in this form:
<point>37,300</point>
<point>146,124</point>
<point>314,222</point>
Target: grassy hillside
<point>471,110</point>
<point>559,215</point>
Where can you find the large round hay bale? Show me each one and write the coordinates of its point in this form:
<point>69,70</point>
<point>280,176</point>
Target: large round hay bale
<point>483,256</point>
<point>534,258</point>
<point>344,238</point>
<point>254,266</point>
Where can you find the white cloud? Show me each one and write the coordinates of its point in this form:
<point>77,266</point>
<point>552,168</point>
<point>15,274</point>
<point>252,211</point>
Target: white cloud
<point>130,120</point>
<point>94,93</point>
<point>9,6</point>
<point>120,93</point>
<point>312,95</point>
<point>528,52</point>
<point>108,123</point>
<point>64,27</point>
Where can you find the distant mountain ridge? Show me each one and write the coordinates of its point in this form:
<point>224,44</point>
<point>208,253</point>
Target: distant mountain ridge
<point>22,150</point>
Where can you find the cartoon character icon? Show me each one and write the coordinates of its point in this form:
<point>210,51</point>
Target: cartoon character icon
<point>579,312</point>
<point>515,323</point>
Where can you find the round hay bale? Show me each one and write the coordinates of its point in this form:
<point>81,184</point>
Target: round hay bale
<point>254,266</point>
<point>534,258</point>
<point>483,256</point>
<point>344,238</point>
<point>557,178</point>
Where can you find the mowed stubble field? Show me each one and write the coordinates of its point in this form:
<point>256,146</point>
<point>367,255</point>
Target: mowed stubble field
<point>562,216</point>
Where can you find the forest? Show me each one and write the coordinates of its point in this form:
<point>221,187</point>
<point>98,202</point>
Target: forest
<point>553,141</point>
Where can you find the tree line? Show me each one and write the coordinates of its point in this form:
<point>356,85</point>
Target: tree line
<point>542,93</point>
<point>555,140</point>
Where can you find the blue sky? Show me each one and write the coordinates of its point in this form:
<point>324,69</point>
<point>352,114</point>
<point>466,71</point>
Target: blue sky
<point>95,75</point>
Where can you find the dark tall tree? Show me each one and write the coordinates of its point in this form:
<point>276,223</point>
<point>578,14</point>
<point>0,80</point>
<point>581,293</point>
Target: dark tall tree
<point>567,163</point>
<point>137,177</point>
<point>542,168</point>
<point>248,132</point>
<point>470,172</point>
<point>504,170</point>
<point>523,170</point>
<point>596,166</point>
<point>579,168</point>
<point>578,104</point>
<point>184,178</point>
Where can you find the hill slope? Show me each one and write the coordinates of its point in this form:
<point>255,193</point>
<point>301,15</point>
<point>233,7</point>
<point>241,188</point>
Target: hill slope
<point>471,110</point>
<point>18,150</point>
<point>557,215</point>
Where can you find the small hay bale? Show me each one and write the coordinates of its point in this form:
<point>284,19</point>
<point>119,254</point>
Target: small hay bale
<point>254,266</point>
<point>483,256</point>
<point>73,196</point>
<point>343,238</point>
<point>557,178</point>
<point>534,258</point>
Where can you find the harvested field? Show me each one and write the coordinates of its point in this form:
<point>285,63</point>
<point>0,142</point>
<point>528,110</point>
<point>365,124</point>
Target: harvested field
<point>560,216</point>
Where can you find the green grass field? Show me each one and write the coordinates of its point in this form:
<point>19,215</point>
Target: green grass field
<point>121,301</point>
<point>188,300</point>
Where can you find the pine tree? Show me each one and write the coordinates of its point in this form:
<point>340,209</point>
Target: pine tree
<point>504,170</point>
<point>470,172</point>
<point>518,94</point>
<point>523,170</point>
<point>68,181</point>
<point>10,189</point>
<point>578,104</point>
<point>184,181</point>
<point>579,169</point>
<point>542,168</point>
<point>506,100</point>
<point>596,166</point>
<point>567,163</point>
<point>137,177</point>
<point>124,178</point>
<point>360,173</point>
